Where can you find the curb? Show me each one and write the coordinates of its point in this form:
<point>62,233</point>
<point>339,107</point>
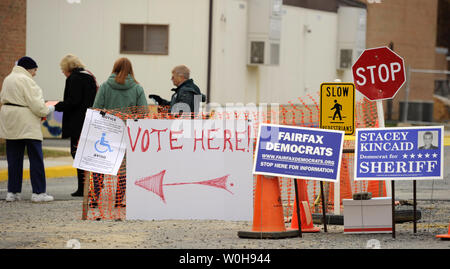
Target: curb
<point>50,172</point>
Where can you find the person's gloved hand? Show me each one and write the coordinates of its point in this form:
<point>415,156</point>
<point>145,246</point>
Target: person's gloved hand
<point>156,98</point>
<point>51,109</point>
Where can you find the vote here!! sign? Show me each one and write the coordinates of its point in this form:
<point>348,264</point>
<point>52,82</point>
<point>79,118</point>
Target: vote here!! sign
<point>299,152</point>
<point>189,169</point>
<point>399,153</point>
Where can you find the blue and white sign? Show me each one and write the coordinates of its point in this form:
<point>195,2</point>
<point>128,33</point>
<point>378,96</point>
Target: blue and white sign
<point>399,153</point>
<point>298,152</point>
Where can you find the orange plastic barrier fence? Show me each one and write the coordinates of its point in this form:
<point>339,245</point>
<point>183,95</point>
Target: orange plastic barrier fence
<point>107,194</point>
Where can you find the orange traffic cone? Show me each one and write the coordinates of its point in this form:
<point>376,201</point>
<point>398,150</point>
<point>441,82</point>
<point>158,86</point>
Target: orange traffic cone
<point>268,218</point>
<point>345,186</point>
<point>305,210</point>
<point>445,236</point>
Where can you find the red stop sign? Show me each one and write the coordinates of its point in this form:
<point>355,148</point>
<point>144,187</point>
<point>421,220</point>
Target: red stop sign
<point>379,73</point>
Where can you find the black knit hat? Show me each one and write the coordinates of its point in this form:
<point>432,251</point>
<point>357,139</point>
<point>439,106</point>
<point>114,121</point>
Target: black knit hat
<point>27,63</point>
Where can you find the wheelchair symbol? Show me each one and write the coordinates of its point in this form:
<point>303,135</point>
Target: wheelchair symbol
<point>102,145</point>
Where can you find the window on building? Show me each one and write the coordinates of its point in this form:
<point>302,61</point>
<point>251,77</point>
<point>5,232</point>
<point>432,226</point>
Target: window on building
<point>144,39</point>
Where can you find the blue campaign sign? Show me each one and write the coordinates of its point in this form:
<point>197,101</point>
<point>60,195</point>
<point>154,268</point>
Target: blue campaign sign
<point>298,152</point>
<point>411,153</point>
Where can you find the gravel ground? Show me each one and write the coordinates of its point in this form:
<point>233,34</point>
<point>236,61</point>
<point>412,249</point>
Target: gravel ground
<point>24,225</point>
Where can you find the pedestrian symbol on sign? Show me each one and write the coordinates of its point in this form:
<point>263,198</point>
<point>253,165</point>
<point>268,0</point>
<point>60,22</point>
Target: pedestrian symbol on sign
<point>338,110</point>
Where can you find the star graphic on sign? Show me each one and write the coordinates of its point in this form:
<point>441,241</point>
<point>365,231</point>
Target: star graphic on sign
<point>434,155</point>
<point>412,155</point>
<point>427,155</point>
<point>419,155</point>
<point>405,156</point>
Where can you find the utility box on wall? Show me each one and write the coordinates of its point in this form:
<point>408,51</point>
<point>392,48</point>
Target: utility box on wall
<point>264,32</point>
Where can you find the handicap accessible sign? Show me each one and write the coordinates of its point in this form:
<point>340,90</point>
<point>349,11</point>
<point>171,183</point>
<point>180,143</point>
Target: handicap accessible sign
<point>298,152</point>
<point>102,144</point>
<point>411,153</point>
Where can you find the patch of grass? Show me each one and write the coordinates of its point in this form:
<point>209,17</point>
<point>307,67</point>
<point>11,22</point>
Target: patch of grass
<point>55,153</point>
<point>390,123</point>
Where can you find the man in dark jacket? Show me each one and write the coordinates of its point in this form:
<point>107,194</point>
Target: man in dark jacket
<point>186,97</point>
<point>79,95</point>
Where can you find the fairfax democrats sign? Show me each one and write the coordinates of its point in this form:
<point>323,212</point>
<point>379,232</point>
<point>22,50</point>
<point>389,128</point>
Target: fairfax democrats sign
<point>298,152</point>
<point>399,153</point>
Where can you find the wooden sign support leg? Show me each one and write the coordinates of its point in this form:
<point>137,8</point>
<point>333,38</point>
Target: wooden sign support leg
<point>86,195</point>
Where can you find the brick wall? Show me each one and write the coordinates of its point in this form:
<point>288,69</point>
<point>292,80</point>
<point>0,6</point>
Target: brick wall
<point>12,34</point>
<point>412,27</point>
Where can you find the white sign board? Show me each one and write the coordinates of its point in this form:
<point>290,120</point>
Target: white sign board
<point>102,143</point>
<point>189,169</point>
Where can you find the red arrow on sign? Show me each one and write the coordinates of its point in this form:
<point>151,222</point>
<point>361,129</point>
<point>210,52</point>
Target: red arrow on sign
<point>155,184</point>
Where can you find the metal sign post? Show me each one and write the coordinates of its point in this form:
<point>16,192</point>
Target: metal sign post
<point>324,208</point>
<point>379,73</point>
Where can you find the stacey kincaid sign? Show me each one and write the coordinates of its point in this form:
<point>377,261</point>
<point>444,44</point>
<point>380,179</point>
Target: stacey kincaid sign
<point>399,153</point>
<point>298,152</point>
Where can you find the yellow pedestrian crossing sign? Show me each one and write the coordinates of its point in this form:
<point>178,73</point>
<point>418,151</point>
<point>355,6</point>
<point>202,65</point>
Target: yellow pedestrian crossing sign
<point>337,107</point>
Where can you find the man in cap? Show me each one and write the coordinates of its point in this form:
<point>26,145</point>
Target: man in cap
<point>22,108</point>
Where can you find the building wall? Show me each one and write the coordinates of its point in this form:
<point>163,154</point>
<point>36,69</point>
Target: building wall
<point>91,30</point>
<point>12,34</point>
<point>306,59</point>
<point>411,26</point>
<point>229,54</point>
<point>48,29</point>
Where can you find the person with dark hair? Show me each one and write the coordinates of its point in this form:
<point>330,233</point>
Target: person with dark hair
<point>121,90</point>
<point>79,95</point>
<point>22,109</point>
<point>186,97</point>
<point>428,141</point>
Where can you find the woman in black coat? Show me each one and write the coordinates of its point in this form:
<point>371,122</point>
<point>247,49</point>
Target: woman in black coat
<point>79,95</point>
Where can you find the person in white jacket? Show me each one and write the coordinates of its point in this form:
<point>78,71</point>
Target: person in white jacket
<point>22,108</point>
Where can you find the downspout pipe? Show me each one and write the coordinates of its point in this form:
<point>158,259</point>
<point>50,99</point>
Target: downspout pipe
<point>208,75</point>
